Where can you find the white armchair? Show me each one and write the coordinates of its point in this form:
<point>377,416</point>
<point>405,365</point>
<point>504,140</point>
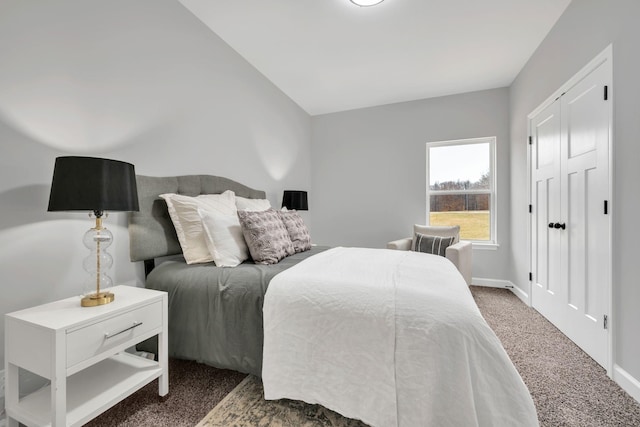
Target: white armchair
<point>459,253</point>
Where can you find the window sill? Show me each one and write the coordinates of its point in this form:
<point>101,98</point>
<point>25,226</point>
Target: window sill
<point>485,246</point>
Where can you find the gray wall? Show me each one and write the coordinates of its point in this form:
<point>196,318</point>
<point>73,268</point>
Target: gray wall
<point>147,83</point>
<point>583,31</point>
<point>369,166</point>
<point>142,81</point>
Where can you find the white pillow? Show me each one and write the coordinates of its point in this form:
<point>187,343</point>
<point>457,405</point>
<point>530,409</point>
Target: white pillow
<point>244,204</point>
<point>183,211</point>
<point>224,238</point>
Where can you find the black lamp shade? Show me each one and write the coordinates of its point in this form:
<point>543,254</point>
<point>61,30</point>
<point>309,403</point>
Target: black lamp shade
<point>295,200</point>
<point>93,184</point>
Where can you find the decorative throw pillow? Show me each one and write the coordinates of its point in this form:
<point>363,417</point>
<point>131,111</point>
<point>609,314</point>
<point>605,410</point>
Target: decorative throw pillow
<point>244,204</point>
<point>224,238</point>
<point>266,236</point>
<point>432,244</point>
<point>298,231</point>
<point>183,211</point>
<point>438,230</point>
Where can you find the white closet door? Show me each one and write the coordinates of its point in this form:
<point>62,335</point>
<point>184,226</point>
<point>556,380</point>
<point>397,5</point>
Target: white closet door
<point>546,173</point>
<point>585,187</point>
<point>571,238</point>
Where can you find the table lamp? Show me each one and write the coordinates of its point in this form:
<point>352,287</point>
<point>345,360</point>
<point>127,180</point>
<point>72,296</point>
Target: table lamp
<point>95,185</point>
<point>295,200</point>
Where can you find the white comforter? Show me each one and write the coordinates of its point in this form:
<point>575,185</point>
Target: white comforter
<point>392,338</point>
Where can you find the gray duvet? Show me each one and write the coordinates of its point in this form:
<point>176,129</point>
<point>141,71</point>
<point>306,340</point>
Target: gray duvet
<point>215,313</point>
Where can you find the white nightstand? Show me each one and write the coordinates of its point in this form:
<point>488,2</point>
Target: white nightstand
<point>81,350</point>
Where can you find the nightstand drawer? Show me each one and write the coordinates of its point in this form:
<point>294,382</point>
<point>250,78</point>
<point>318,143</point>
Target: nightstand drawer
<point>92,340</point>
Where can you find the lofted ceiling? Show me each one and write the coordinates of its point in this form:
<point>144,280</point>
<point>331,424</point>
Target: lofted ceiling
<point>331,55</point>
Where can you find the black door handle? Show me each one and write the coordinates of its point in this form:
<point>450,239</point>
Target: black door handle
<point>558,225</point>
<point>550,225</point>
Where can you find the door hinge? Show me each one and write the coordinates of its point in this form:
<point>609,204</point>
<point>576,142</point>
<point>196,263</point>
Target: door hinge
<point>530,276</point>
<point>530,140</point>
<point>530,208</point>
<point>605,322</point>
<point>606,207</point>
<point>606,92</point>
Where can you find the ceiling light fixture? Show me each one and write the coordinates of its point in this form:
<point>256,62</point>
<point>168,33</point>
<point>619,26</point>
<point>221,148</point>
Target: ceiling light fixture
<point>366,3</point>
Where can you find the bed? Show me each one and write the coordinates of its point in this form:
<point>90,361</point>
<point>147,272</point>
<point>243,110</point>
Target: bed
<point>215,314</point>
<point>392,338</point>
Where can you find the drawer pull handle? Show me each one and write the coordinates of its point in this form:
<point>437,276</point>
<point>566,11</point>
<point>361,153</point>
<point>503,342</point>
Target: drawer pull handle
<point>108,335</point>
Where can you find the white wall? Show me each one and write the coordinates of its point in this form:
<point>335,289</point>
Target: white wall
<point>369,166</point>
<point>141,81</point>
<point>583,31</point>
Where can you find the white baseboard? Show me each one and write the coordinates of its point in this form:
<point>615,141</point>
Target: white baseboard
<point>491,283</point>
<point>2,414</point>
<point>627,382</point>
<point>524,297</point>
<point>505,284</point>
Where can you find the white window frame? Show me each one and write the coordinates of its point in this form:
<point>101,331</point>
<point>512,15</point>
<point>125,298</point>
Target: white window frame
<point>492,191</point>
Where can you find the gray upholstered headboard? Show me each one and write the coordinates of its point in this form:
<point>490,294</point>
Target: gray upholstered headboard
<point>151,232</point>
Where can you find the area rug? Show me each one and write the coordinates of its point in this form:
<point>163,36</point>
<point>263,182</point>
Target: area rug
<point>245,406</point>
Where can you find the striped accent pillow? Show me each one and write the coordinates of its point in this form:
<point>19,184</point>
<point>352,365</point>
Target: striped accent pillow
<point>431,244</point>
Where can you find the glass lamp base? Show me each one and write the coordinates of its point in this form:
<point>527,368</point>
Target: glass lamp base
<point>95,299</point>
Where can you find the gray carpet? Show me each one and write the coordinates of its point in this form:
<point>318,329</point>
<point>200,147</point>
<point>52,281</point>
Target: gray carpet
<point>194,389</point>
<point>568,387</point>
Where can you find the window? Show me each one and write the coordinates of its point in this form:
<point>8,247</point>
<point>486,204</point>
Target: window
<point>461,187</point>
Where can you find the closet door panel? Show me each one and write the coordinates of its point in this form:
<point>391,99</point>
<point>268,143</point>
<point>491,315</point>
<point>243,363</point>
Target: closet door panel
<point>546,181</point>
<point>581,117</point>
<point>541,272</point>
<point>576,243</point>
<point>597,240</point>
<point>585,130</point>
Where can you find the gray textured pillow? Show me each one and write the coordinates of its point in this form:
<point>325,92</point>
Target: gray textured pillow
<point>431,244</point>
<point>298,231</point>
<point>266,236</point>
